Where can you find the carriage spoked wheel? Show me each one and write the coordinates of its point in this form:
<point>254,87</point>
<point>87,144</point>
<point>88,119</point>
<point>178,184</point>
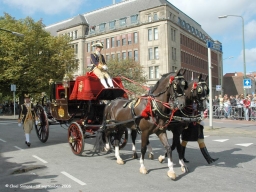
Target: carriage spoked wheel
<point>123,140</point>
<point>76,138</point>
<point>42,127</point>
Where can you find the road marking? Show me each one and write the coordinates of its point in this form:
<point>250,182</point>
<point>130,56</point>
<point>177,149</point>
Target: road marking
<point>245,144</point>
<point>39,158</point>
<point>2,140</point>
<point>221,140</point>
<point>73,178</point>
<point>18,148</point>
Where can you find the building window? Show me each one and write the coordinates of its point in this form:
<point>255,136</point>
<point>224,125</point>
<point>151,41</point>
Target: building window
<point>155,33</point>
<point>107,43</point>
<point>124,41</point>
<point>93,48</point>
<point>150,35</point>
<point>135,37</point>
<point>174,54</point>
<point>112,24</point>
<point>156,54</point>
<point>129,54</point>
<point>76,48</point>
<point>173,34</point>
<point>174,69</point>
<point>150,54</point>
<point>136,55</point>
<point>153,53</point>
<point>112,56</point>
<point>107,57</point>
<point>149,18</point>
<point>118,56</point>
<point>122,21</point>
<point>129,39</point>
<point>75,34</point>
<point>156,72</point>
<point>118,43</point>
<point>112,42</point>
<point>155,16</point>
<point>151,73</point>
<point>102,26</point>
<point>134,18</point>
<point>123,55</point>
<point>88,47</point>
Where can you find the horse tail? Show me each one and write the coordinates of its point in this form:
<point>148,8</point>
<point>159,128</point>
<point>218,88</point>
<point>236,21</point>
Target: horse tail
<point>100,140</point>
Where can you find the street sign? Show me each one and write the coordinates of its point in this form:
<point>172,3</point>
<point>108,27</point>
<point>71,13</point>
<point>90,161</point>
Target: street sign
<point>247,83</point>
<point>13,87</point>
<point>218,87</point>
<point>215,46</point>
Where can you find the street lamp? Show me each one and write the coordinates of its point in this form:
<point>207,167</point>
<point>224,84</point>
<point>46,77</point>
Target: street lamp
<point>12,32</point>
<point>225,16</point>
<point>221,79</point>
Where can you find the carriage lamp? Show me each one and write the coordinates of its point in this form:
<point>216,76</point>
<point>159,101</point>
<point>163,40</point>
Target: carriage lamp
<point>66,83</point>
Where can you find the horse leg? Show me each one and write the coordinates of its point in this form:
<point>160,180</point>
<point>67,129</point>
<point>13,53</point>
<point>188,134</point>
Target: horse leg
<point>163,138</point>
<point>144,139</point>
<point>107,145</point>
<point>204,151</point>
<point>118,136</point>
<point>134,135</point>
<point>183,148</point>
<point>150,154</point>
<point>182,161</point>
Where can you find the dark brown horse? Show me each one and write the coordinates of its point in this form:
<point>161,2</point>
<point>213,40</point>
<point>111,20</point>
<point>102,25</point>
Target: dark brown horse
<point>197,92</point>
<point>149,114</point>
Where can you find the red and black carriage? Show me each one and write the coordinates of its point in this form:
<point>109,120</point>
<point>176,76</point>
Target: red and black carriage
<point>79,104</point>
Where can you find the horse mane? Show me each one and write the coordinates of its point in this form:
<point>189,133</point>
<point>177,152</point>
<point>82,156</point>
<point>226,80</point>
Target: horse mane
<point>152,89</point>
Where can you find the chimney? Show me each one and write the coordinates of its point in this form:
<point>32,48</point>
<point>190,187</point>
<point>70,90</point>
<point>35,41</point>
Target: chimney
<point>114,2</point>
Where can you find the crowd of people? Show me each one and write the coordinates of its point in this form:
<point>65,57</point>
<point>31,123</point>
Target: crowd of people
<point>7,108</point>
<point>238,106</point>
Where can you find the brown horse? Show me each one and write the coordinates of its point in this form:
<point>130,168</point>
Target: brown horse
<point>149,114</point>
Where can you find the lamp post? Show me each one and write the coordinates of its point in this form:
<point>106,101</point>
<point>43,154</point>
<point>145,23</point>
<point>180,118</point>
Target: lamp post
<point>12,32</point>
<point>225,16</point>
<point>221,79</point>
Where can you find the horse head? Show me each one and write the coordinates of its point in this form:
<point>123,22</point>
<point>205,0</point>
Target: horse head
<point>170,89</point>
<point>197,91</point>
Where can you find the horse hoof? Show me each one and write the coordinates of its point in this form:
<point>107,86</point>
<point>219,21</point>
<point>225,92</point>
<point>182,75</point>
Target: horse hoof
<point>161,159</point>
<point>184,169</point>
<point>106,149</point>
<point>120,162</point>
<point>135,156</point>
<point>143,170</point>
<point>151,156</point>
<point>171,174</point>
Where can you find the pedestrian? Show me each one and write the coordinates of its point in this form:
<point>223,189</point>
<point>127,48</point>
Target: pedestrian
<point>27,117</point>
<point>99,66</point>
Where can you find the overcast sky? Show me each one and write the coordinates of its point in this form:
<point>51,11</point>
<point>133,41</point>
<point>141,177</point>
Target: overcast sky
<point>228,31</point>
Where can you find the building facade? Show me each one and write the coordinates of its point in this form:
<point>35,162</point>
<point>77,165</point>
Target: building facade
<point>155,33</point>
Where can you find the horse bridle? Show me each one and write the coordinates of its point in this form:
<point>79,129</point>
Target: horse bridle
<point>197,91</point>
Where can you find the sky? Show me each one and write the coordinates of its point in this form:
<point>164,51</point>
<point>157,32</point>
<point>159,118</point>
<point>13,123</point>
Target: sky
<point>205,12</point>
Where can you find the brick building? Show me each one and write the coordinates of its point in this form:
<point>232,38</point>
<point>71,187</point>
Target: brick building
<point>153,32</point>
<point>233,83</point>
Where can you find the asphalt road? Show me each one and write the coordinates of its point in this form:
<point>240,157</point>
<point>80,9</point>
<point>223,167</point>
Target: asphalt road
<point>52,166</point>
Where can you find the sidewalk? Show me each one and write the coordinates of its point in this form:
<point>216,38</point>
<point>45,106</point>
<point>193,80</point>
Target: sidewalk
<point>8,117</point>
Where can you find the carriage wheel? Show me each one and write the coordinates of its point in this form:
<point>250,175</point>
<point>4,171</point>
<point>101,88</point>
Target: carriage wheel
<point>42,128</point>
<point>123,140</point>
<point>76,138</point>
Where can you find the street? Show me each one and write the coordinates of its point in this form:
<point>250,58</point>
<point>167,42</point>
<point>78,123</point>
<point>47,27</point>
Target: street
<point>52,166</point>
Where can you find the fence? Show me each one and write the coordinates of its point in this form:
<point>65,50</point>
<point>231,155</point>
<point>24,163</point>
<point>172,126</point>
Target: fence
<point>235,113</point>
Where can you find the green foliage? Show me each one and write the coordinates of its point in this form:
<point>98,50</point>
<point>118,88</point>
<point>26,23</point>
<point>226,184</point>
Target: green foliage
<point>131,70</point>
<point>31,61</point>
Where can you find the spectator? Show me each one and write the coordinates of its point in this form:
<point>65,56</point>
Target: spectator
<point>246,105</point>
<point>221,101</point>
<point>227,107</point>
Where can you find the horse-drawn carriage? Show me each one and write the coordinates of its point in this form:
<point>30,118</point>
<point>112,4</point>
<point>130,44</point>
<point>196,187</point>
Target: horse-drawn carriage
<point>79,104</point>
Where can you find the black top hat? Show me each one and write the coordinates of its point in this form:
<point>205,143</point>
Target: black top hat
<point>27,96</point>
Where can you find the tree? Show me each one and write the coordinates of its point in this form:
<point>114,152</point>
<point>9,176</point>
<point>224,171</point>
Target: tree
<point>131,70</point>
<point>30,62</point>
